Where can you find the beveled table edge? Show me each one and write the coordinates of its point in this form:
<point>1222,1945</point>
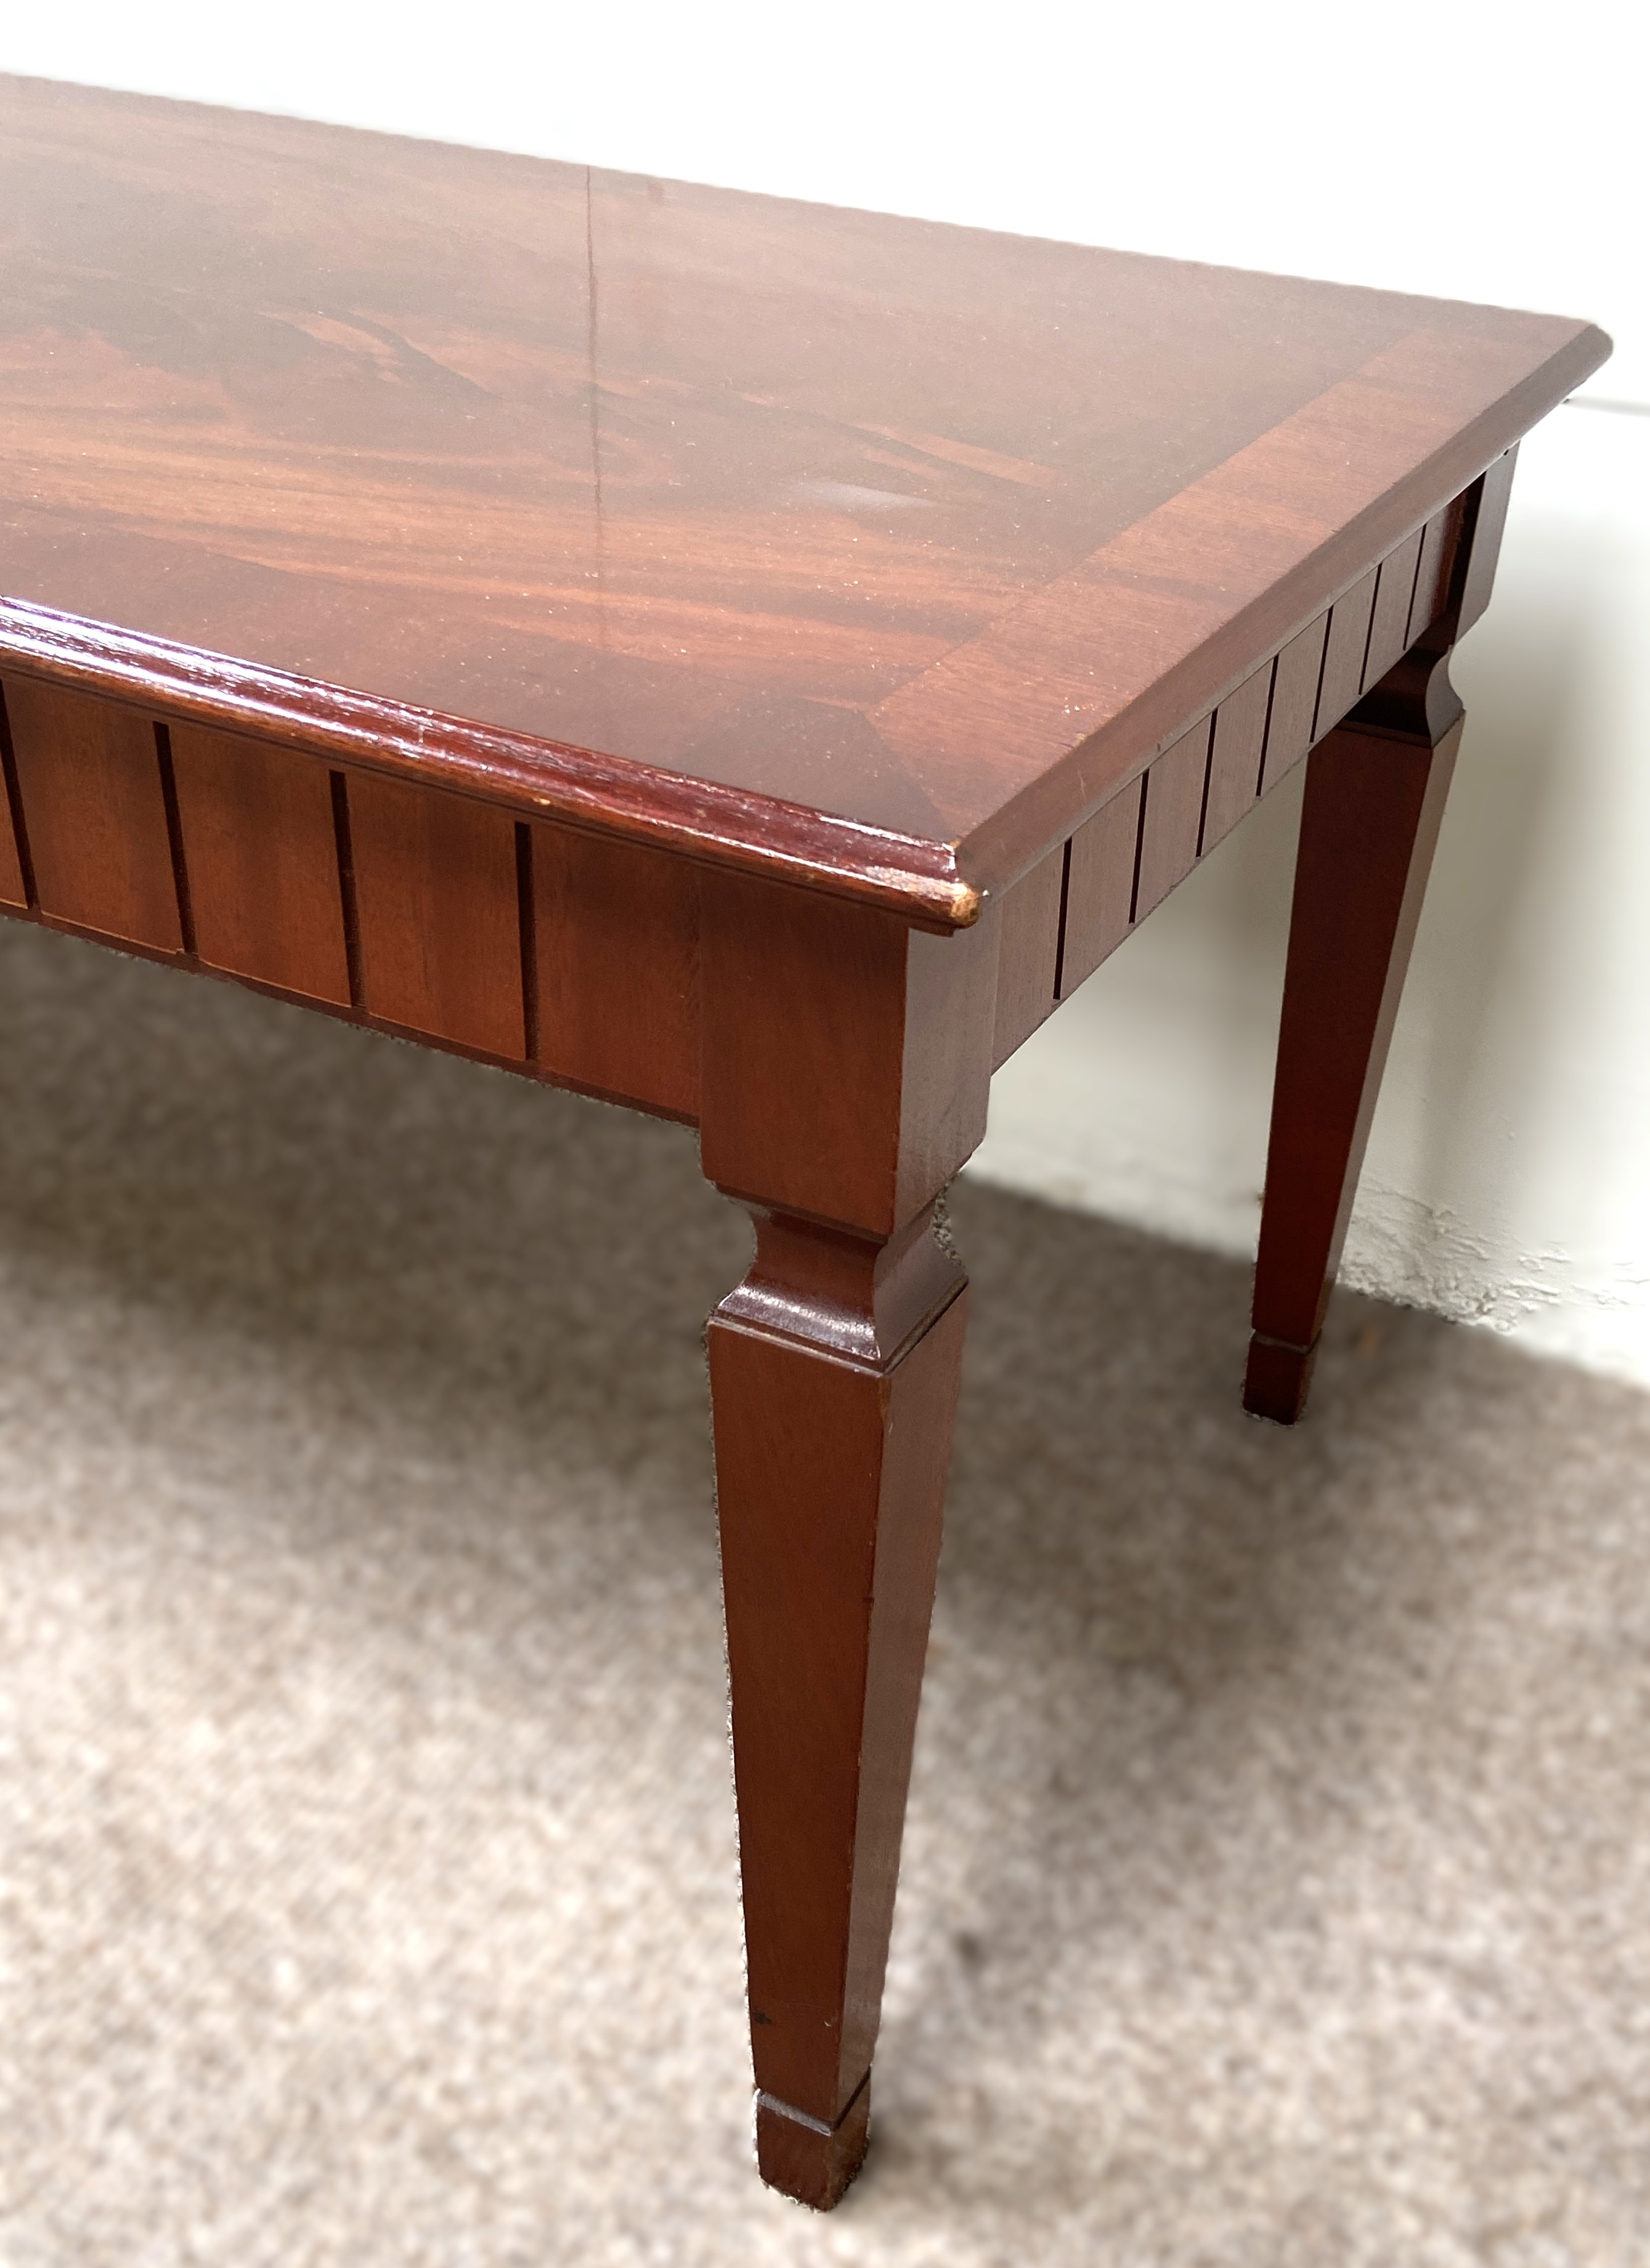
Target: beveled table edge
<point>519,772</point>
<point>1088,775</point>
<point>916,877</point>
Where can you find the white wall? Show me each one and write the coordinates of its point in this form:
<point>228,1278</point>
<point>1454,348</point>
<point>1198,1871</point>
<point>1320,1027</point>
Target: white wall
<point>1480,150</point>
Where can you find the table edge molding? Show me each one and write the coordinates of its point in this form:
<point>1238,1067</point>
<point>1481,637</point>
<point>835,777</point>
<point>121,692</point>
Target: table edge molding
<point>519,772</point>
<point>1003,847</point>
<point>940,884</point>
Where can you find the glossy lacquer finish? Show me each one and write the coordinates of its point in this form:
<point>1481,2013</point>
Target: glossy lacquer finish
<point>938,534</point>
<point>750,661</point>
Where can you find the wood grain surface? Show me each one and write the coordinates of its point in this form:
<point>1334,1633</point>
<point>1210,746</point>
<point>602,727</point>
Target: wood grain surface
<point>1298,675</point>
<point>1489,520</point>
<point>751,660</point>
<point>1235,757</point>
<point>599,985</point>
<point>1375,798</point>
<point>1032,919</point>
<point>1172,819</point>
<point>1058,923</point>
<point>830,1478</point>
<point>881,550</point>
<point>846,1064</point>
<point>260,855</point>
<point>94,805</point>
<point>1345,652</point>
<point>845,1058</point>
<point>1100,886</point>
<point>1393,601</point>
<point>615,946</point>
<point>438,907</point>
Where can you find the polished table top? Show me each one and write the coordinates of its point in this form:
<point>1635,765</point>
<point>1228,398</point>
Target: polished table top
<point>894,547</point>
<point>464,593</point>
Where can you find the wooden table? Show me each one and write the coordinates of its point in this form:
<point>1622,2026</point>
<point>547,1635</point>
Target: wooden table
<point>750,661</point>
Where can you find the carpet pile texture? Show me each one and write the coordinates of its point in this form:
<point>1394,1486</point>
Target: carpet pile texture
<point>1277,1882</point>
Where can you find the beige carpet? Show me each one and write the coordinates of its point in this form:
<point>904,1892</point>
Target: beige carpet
<point>1277,1887</point>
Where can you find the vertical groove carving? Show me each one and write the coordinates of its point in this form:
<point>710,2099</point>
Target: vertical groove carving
<point>257,858</point>
<point>1067,914</point>
<point>1266,730</point>
<point>1309,685</point>
<point>17,874</point>
<point>175,837</point>
<point>614,941</point>
<point>340,786</point>
<point>1203,800</point>
<point>527,918</point>
<point>1064,901</point>
<point>90,784</point>
<point>1139,846</point>
<point>1322,665</point>
<point>1029,923</point>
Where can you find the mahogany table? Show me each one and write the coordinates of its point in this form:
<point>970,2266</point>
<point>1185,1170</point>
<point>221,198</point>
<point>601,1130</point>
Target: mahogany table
<point>750,661</point>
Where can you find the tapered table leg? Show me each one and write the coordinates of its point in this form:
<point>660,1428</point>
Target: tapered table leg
<point>1375,796</point>
<point>831,1464</point>
<point>846,1064</point>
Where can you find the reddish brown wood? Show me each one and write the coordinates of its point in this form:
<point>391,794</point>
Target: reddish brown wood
<point>1344,653</point>
<point>262,858</point>
<point>1258,731</point>
<point>1240,736</point>
<point>1394,597</point>
<point>769,531</point>
<point>830,1476</point>
<point>847,1058</point>
<point>13,891</point>
<point>437,906</point>
<point>1487,520</point>
<point>1028,960</point>
<point>615,946</point>
<point>1173,819</point>
<point>846,1067</point>
<point>1369,826</point>
<point>1100,886</point>
<point>14,887</point>
<point>795,2158</point>
<point>1375,796</point>
<point>1440,540</point>
<point>94,815</point>
<point>1294,702</point>
<point>572,528</point>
